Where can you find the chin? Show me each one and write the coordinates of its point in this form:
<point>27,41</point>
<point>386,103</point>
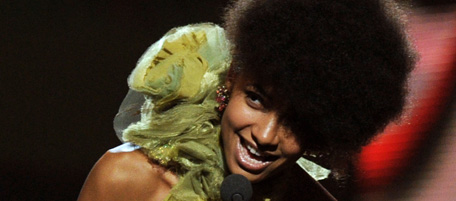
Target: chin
<point>254,178</point>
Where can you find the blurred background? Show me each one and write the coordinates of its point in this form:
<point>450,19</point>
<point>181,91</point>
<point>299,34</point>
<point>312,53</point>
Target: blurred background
<point>63,75</point>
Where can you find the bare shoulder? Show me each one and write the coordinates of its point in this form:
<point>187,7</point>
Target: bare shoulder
<point>127,176</point>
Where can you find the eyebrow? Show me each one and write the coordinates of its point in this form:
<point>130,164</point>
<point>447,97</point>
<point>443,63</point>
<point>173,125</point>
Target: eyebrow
<point>259,89</point>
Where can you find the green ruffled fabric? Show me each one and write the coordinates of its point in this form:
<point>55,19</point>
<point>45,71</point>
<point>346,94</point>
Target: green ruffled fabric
<point>179,126</point>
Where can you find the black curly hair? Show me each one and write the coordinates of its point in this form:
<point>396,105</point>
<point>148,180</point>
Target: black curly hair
<point>338,68</point>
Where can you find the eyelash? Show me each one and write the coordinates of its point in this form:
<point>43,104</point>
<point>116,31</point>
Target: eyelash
<point>253,97</point>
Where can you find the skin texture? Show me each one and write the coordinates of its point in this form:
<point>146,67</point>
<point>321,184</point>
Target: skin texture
<point>127,176</point>
<point>249,121</point>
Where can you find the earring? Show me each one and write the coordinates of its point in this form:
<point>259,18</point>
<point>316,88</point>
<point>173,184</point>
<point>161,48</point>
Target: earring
<point>222,97</point>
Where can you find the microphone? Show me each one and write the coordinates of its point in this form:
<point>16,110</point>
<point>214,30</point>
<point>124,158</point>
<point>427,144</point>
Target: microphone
<point>236,187</point>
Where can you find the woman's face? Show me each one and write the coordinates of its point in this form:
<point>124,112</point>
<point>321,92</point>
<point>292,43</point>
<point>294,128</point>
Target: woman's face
<point>255,144</point>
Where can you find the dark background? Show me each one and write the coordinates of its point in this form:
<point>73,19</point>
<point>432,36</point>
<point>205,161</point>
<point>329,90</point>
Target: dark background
<point>64,66</point>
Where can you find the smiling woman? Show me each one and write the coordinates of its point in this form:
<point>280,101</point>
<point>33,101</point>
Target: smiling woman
<point>300,79</point>
<point>255,144</point>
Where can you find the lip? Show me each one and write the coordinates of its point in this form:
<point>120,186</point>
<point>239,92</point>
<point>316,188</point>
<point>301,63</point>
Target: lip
<point>250,162</point>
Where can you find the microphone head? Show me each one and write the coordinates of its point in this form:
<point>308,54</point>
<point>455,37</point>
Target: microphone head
<point>236,187</point>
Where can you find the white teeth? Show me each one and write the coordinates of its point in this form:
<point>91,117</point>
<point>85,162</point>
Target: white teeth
<point>253,151</point>
<point>246,158</point>
<point>250,158</point>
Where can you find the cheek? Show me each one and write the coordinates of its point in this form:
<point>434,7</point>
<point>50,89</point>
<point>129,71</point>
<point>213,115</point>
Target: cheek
<point>231,122</point>
<point>236,115</point>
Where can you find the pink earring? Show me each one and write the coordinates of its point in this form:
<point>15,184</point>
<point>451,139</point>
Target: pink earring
<point>222,97</point>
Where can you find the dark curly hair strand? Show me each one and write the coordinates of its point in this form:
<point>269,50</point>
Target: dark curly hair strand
<point>339,67</point>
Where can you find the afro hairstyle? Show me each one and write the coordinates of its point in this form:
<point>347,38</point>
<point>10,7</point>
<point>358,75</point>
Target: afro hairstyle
<point>338,69</point>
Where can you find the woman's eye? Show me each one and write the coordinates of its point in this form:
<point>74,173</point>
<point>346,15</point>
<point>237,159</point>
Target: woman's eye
<point>254,100</point>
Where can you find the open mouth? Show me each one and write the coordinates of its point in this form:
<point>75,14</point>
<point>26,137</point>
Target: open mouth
<point>251,159</point>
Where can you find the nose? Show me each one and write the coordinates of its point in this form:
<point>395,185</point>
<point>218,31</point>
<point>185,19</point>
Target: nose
<point>265,133</point>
